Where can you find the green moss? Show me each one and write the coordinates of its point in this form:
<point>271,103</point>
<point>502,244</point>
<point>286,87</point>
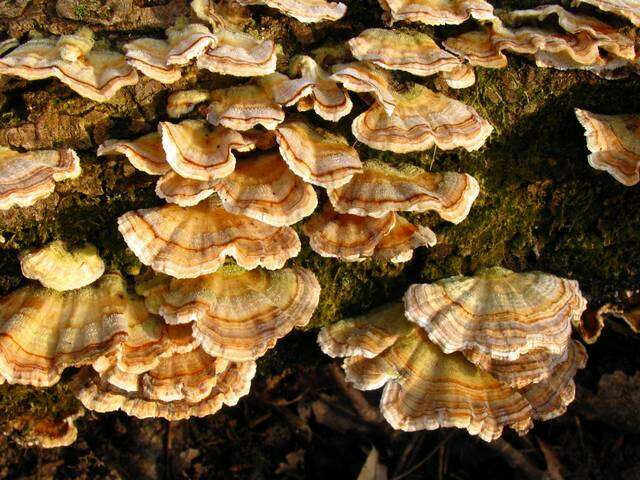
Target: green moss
<point>54,402</point>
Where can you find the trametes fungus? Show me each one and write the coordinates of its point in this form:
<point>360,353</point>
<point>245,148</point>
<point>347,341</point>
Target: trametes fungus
<point>614,144</point>
<point>183,102</point>
<point>184,192</point>
<point>239,314</point>
<point>422,118</point>
<point>95,74</point>
<point>244,107</point>
<point>194,241</point>
<point>262,187</point>
<point>46,432</point>
<point>398,245</point>
<point>423,387</point>
<point>444,12</point>
<point>381,189</point>
<point>8,44</point>
<point>144,153</point>
<point>316,155</point>
<point>57,267</point>
<point>365,77</point>
<point>306,11</point>
<point>625,8</point>
<point>28,177</point>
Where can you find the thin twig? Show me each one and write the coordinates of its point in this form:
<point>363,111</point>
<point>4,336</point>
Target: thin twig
<point>517,460</point>
<point>427,458</point>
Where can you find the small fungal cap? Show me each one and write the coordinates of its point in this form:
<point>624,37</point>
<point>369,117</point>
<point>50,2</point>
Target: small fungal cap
<point>48,431</point>
<point>364,77</point>
<point>398,245</point>
<point>184,192</point>
<point>183,102</point>
<point>75,46</point>
<point>221,13</point>
<point>263,188</point>
<point>381,189</point>
<point>188,42</point>
<point>194,241</point>
<point>149,56</point>
<point>144,153</point>
<point>479,49</point>
<point>28,177</point>
<point>316,155</point>
<point>409,51</point>
<point>614,143</point>
<point>460,77</point>
<point>8,44</point>
<point>625,8</point>
<point>244,107</point>
<point>447,12</point>
<point>499,313</point>
<point>284,90</point>
<point>306,11</point>
<point>57,267</point>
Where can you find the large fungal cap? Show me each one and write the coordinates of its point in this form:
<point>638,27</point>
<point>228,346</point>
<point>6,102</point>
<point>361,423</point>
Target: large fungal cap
<point>366,77</point>
<point>55,266</point>
<point>421,119</point>
<point>240,314</point>
<point>144,153</point>
<point>625,8</point>
<point>28,177</point>
<point>244,107</point>
<point>380,189</point>
<point>411,51</point>
<point>423,387</point>
<point>262,187</point>
<point>344,236</point>
<point>196,151</point>
<point>498,313</point>
<point>43,331</point>
<point>441,12</point>
<point>184,191</point>
<point>398,245</point>
<point>317,156</point>
<point>239,54</point>
<point>149,56</point>
<point>189,242</point>
<point>614,144</point>
<point>306,11</point>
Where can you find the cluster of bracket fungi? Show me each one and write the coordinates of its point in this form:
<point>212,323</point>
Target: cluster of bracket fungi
<point>479,353</point>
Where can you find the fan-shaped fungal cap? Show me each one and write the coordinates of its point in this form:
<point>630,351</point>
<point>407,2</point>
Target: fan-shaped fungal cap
<point>240,314</point>
<point>8,44</point>
<point>306,11</point>
<point>239,54</point>
<point>437,13</point>
<point>189,242</point>
<point>412,52</point>
<point>262,187</point>
<point>398,245</point>
<point>184,192</point>
<point>188,42</point>
<point>421,118</point>
<point>55,266</point>
<point>498,312</point>
<point>72,47</point>
<point>243,107</point>
<point>614,144</point>
<point>380,189</point>
<point>366,77</point>
<point>460,77</point>
<point>198,152</point>
<point>47,432</point>
<point>149,56</point>
<point>43,331</point>
<point>28,177</point>
<point>625,8</point>
<point>317,156</point>
<point>284,90</point>
<point>183,102</point>
<point>221,13</point>
<point>144,153</point>
<point>345,236</point>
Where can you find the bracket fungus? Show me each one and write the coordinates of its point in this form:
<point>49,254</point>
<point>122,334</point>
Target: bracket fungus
<point>306,11</point>
<point>614,144</point>
<point>625,8</point>
<point>316,155</point>
<point>381,189</point>
<point>144,153</point>
<point>47,431</point>
<point>184,192</point>
<point>398,245</point>
<point>284,90</point>
<point>239,314</point>
<point>442,12</point>
<point>28,177</point>
<point>57,267</point>
<point>182,102</point>
<point>244,107</point>
<point>365,77</point>
<point>194,241</point>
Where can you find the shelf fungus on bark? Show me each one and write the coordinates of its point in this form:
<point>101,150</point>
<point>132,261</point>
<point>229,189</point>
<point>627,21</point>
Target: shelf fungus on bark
<point>421,119</point>
<point>184,192</point>
<point>196,151</point>
<point>182,102</point>
<point>460,77</point>
<point>497,313</point>
<point>625,8</point>
<point>99,395</point>
<point>194,241</point>
<point>28,177</point>
<point>244,107</point>
<point>306,11</point>
<point>144,153</point>
<point>381,189</point>
<point>424,388</point>
<point>614,143</point>
<point>239,314</point>
<point>317,155</point>
<point>447,12</point>
<point>365,77</point>
<point>409,51</point>
<point>284,90</point>
<point>8,44</point>
<point>43,331</point>
<point>45,432</point>
<point>60,268</point>
<point>263,188</point>
<point>398,245</point>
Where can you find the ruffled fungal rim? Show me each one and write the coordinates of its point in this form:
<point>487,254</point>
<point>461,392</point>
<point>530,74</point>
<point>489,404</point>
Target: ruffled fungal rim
<point>145,153</point>
<point>427,12</point>
<point>305,11</point>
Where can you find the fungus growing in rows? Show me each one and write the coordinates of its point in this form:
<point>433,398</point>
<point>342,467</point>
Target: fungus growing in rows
<point>625,8</point>
<point>316,155</point>
<point>46,432</point>
<point>364,77</point>
<point>262,187</point>
<point>398,245</point>
<point>28,177</point>
<point>306,11</point>
<point>239,314</point>
<point>194,241</point>
<point>614,144</point>
<point>184,192</point>
<point>144,153</point>
<point>244,107</point>
<point>57,267</point>
<point>497,313</point>
<point>421,119</point>
<point>447,12</point>
<point>381,189</point>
